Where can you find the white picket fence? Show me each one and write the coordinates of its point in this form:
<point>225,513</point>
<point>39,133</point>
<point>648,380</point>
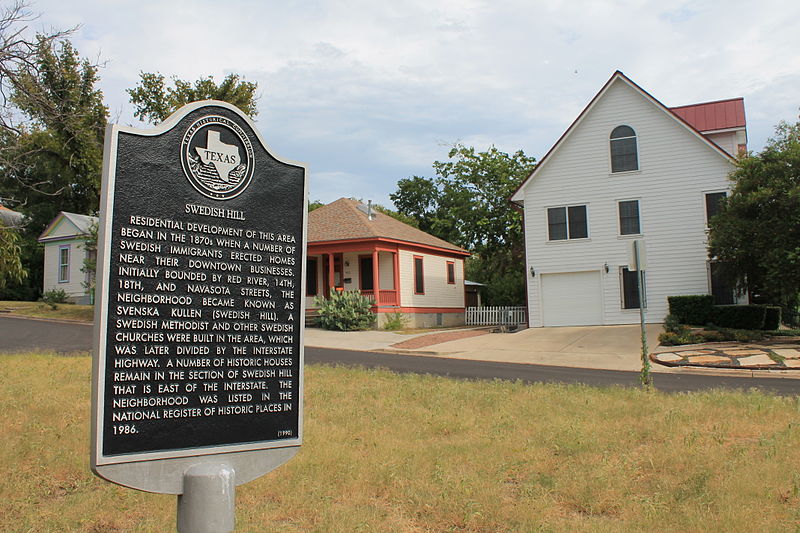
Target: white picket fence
<point>495,316</point>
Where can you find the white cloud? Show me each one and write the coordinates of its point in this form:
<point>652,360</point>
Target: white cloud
<point>366,92</point>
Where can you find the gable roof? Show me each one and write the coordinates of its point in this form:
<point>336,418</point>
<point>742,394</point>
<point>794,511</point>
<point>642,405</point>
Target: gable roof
<point>618,76</point>
<point>82,224</point>
<point>346,219</point>
<point>713,116</point>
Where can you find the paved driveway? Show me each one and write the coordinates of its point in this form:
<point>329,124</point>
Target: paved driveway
<point>609,347</point>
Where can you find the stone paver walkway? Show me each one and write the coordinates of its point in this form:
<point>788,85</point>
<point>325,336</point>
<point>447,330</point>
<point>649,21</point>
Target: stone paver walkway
<point>771,356</point>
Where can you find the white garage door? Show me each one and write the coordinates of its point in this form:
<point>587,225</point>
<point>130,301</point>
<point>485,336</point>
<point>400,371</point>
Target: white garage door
<point>572,299</point>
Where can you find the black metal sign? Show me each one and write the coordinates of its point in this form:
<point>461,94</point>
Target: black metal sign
<point>200,304</point>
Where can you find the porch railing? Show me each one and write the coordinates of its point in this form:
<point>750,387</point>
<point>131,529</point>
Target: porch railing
<point>495,316</point>
<point>385,296</point>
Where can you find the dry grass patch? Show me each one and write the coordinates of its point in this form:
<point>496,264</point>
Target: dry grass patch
<point>82,313</point>
<point>385,452</point>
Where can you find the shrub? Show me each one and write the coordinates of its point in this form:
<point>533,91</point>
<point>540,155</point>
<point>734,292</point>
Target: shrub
<point>693,309</point>
<point>395,321</point>
<point>669,338</point>
<point>345,311</point>
<point>672,324</point>
<point>738,316</point>
<point>713,335</point>
<point>55,296</point>
<point>772,318</point>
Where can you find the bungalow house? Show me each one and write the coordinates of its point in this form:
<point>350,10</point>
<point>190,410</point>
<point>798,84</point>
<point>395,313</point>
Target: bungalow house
<point>628,168</point>
<point>64,254</point>
<point>352,247</point>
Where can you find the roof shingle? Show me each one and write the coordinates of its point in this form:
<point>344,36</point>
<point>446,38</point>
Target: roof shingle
<point>342,220</point>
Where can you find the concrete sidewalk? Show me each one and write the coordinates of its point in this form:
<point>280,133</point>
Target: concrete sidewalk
<point>599,347</point>
<point>602,347</point>
<point>366,341</point>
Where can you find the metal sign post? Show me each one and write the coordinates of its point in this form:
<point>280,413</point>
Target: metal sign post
<point>638,263</point>
<point>198,357</point>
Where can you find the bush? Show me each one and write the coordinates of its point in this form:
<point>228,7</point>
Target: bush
<point>55,296</point>
<point>694,309</point>
<point>672,324</point>
<point>395,321</point>
<point>772,318</point>
<point>345,311</point>
<point>676,339</point>
<point>738,316</point>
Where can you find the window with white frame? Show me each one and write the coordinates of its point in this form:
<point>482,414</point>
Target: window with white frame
<point>629,217</point>
<point>630,288</point>
<point>567,222</point>
<point>419,275</point>
<point>713,203</point>
<point>720,286</point>
<point>63,264</point>
<point>624,153</point>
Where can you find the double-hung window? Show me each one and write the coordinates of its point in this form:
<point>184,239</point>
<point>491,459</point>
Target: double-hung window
<point>419,275</point>
<point>629,217</point>
<point>630,289</point>
<point>63,264</point>
<point>713,203</point>
<point>721,288</point>
<point>568,222</point>
<point>451,273</point>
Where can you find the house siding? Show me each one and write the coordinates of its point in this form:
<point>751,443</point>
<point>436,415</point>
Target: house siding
<point>386,267</point>
<point>676,168</point>
<point>438,293</point>
<point>74,286</point>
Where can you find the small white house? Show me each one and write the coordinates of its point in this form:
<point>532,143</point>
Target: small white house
<point>64,254</point>
<point>628,168</point>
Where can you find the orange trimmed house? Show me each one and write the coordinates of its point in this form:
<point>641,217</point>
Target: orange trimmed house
<point>352,247</point>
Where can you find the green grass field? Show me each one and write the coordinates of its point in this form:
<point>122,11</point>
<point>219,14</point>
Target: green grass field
<point>410,453</point>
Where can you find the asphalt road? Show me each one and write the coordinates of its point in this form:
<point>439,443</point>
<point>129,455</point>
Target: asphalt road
<point>26,335</point>
<point>18,335</point>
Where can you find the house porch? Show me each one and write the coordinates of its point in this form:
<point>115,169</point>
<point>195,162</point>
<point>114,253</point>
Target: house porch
<point>369,268</point>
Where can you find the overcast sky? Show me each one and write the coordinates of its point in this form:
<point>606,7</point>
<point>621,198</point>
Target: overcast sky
<point>369,92</point>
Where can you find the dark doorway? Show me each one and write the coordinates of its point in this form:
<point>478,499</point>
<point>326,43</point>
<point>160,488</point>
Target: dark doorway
<point>365,272</point>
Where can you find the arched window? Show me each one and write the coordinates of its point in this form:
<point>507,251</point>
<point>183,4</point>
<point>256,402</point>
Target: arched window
<point>623,150</point>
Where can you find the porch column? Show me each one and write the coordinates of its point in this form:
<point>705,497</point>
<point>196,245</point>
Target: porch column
<point>397,278</point>
<point>331,287</point>
<point>376,278</point>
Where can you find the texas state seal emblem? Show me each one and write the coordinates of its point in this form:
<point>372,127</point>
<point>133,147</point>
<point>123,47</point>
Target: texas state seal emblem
<point>217,157</point>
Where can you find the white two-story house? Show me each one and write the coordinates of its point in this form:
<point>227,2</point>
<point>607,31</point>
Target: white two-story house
<point>628,168</point>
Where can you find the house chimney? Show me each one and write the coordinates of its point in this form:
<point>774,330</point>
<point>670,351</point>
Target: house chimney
<point>370,215</point>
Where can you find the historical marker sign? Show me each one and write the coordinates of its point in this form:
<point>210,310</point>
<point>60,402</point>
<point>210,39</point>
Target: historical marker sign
<point>200,302</point>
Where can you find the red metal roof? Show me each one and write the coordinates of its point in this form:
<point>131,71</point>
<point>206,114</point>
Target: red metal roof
<point>710,116</point>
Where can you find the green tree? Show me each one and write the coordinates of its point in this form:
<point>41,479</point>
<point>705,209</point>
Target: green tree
<point>11,268</point>
<point>56,154</point>
<point>89,266</point>
<point>155,101</point>
<point>51,133</point>
<point>467,204</point>
<point>756,235</point>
